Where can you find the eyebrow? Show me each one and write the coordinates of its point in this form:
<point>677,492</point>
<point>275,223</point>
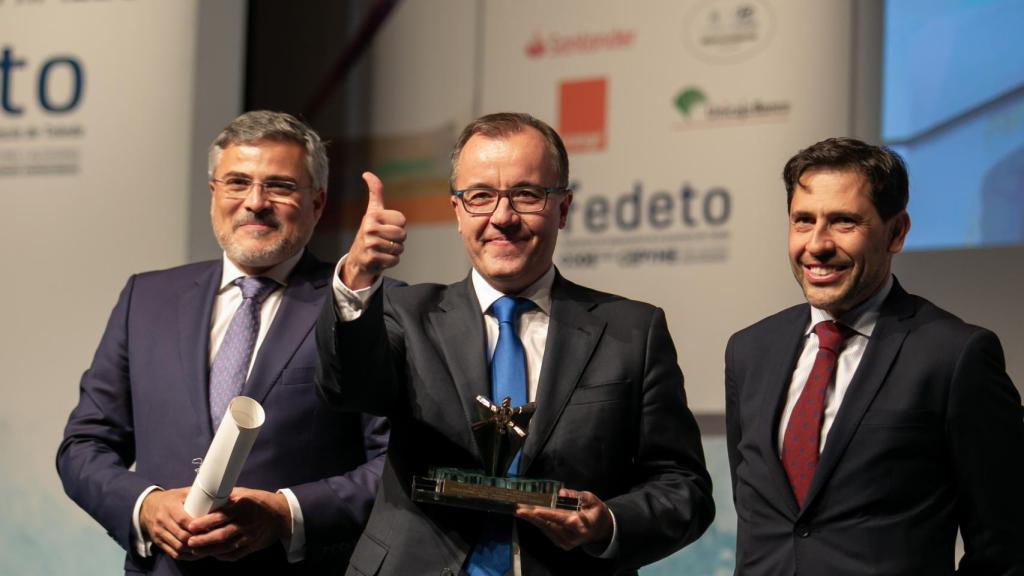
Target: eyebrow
<point>516,185</point>
<point>271,178</point>
<point>829,215</point>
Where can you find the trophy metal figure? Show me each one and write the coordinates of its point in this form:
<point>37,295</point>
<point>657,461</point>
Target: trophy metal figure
<point>500,433</point>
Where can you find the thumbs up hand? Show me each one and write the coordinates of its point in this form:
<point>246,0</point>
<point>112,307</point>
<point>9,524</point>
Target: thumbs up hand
<point>379,241</point>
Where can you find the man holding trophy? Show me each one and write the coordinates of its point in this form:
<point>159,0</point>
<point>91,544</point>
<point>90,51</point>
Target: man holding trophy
<point>515,355</point>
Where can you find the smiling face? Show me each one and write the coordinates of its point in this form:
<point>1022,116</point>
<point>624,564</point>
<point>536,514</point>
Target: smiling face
<point>259,231</point>
<point>510,250</point>
<point>839,248</point>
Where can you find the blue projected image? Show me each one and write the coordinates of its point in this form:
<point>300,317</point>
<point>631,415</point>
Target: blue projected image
<point>953,106</point>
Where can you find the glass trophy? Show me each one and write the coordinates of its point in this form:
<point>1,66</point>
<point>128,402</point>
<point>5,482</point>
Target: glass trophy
<point>500,434</point>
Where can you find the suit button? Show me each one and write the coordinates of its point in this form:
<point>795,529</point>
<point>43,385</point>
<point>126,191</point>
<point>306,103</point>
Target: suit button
<point>447,572</point>
<point>803,531</point>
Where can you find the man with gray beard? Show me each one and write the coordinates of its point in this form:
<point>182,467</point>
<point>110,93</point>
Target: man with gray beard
<point>181,343</point>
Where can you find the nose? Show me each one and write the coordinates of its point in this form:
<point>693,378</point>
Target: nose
<point>503,215</point>
<point>821,242</point>
<point>257,199</point>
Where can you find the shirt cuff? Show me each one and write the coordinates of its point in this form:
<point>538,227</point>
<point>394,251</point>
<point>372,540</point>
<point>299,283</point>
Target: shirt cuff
<point>613,547</point>
<point>143,547</point>
<point>347,302</point>
<point>295,544</point>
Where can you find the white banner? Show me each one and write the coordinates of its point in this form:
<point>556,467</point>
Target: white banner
<point>97,110</point>
<point>681,116</point>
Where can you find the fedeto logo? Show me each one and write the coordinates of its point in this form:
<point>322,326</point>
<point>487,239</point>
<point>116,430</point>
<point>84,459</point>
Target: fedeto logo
<point>686,208</point>
<point>58,83</point>
<point>647,226</point>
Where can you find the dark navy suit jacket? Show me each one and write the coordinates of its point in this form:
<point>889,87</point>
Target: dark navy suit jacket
<point>928,439</point>
<point>145,401</point>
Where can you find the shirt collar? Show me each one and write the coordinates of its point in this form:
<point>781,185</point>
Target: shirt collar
<point>862,318</point>
<point>279,273</point>
<point>539,292</point>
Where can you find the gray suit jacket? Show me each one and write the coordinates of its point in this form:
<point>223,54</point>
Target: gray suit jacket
<point>611,418</point>
<point>929,438</point>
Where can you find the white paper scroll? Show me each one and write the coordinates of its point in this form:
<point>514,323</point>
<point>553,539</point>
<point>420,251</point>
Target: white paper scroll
<point>225,457</point>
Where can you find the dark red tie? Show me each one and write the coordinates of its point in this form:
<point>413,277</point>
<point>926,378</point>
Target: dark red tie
<point>803,433</point>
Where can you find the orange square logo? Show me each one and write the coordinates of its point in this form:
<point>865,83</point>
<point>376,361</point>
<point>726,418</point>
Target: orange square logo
<point>581,114</point>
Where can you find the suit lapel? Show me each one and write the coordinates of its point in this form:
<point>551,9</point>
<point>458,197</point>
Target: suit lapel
<point>777,374</point>
<point>457,324</point>
<point>195,307</point>
<point>295,318</point>
<point>573,333</point>
<point>884,345</point>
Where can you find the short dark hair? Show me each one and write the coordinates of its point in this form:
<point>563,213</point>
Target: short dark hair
<point>504,124</point>
<point>278,126</point>
<point>883,168</point>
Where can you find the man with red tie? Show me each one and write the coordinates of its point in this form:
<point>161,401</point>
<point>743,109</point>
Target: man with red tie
<point>867,426</point>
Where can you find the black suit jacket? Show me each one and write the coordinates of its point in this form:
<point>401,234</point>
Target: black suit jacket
<point>929,438</point>
<point>611,418</point>
<point>145,400</point>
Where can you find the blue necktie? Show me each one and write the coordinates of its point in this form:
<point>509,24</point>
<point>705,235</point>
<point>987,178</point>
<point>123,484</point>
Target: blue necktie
<point>492,556</point>
<point>231,364</point>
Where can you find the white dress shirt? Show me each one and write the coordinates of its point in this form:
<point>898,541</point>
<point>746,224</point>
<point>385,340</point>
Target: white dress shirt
<point>226,302</point>
<point>861,320</point>
<point>532,328</point>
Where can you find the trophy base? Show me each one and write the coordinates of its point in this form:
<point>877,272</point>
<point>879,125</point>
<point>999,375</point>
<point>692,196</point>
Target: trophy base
<point>475,490</point>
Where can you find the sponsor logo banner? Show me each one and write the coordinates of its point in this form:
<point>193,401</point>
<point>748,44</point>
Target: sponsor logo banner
<point>582,112</point>
<point>558,44</point>
<point>646,226</point>
<point>696,109</point>
<point>728,31</point>
<point>39,95</point>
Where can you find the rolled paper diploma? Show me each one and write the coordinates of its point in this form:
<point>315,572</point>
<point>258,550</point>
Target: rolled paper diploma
<point>225,457</point>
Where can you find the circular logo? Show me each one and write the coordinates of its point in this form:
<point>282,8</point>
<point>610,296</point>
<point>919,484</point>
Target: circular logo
<point>728,31</point>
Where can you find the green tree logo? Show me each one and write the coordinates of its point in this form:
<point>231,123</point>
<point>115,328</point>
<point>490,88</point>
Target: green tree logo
<point>688,98</point>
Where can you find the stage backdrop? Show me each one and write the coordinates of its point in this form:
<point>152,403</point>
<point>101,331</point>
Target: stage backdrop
<point>678,117</point>
<point>101,164</point>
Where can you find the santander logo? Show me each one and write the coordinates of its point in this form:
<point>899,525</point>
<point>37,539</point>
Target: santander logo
<point>535,48</point>
<point>558,44</point>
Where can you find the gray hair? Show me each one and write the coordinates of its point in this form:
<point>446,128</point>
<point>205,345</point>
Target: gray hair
<point>504,124</point>
<point>278,126</point>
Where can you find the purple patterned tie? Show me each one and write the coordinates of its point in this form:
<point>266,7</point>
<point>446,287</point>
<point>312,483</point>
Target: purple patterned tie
<point>803,433</point>
<point>231,364</point>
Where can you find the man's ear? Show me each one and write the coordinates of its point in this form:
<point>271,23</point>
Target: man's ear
<point>455,208</point>
<point>898,225</point>
<point>563,209</point>
<point>319,201</point>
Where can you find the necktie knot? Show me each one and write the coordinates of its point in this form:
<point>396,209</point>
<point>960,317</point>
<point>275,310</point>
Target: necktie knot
<point>508,308</point>
<point>257,287</point>
<point>831,335</point>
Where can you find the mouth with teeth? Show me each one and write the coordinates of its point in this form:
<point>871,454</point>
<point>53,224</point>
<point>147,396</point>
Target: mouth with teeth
<point>824,273</point>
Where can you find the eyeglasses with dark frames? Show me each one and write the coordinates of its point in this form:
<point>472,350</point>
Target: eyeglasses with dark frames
<point>528,199</point>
